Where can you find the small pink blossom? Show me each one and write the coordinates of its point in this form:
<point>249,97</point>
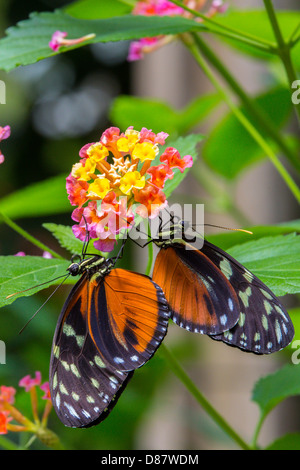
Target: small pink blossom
<point>138,49</point>
<point>217,6</point>
<point>27,382</point>
<point>4,134</point>
<point>58,40</point>
<point>172,157</point>
<point>147,135</point>
<point>4,420</point>
<point>7,395</point>
<point>160,174</point>
<point>45,387</point>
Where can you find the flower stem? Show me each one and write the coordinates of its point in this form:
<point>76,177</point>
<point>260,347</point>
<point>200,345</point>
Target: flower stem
<point>283,49</point>
<point>189,384</point>
<point>257,113</point>
<point>242,118</point>
<point>27,236</point>
<point>150,252</point>
<point>228,31</point>
<point>257,430</point>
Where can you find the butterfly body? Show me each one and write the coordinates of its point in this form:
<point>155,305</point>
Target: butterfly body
<point>112,323</point>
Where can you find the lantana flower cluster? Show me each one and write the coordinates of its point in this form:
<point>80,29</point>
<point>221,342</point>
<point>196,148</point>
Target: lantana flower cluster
<point>118,178</point>
<point>11,419</point>
<point>138,49</point>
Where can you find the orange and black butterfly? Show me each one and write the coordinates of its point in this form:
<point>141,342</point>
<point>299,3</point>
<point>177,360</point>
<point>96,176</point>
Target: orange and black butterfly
<point>210,292</point>
<point>112,323</point>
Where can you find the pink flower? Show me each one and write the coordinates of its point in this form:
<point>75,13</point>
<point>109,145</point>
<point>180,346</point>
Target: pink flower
<point>157,7</point>
<point>77,190</point>
<point>27,382</point>
<point>58,40</point>
<point>147,135</point>
<point>82,151</point>
<point>45,387</point>
<point>4,134</point>
<point>159,175</point>
<point>7,395</point>
<point>217,6</point>
<point>4,420</point>
<point>152,200</point>
<point>105,244</point>
<point>137,49</point>
<point>171,156</point>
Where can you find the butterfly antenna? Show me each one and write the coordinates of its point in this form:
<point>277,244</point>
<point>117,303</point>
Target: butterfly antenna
<point>227,228</point>
<point>40,308</point>
<point>86,240</point>
<point>120,254</point>
<point>38,285</point>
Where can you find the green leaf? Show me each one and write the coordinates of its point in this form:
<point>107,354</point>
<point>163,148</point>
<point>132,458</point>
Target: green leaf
<point>67,239</point>
<point>28,42</point>
<point>230,148</point>
<point>187,145</point>
<point>287,442</point>
<point>42,198</point>
<point>26,272</point>
<point>256,23</point>
<point>158,115</point>
<point>269,391</point>
<point>294,314</point>
<point>275,260</point>
<point>92,9</point>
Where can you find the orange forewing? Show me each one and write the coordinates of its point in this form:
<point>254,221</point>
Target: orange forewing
<point>190,281</point>
<point>128,318</point>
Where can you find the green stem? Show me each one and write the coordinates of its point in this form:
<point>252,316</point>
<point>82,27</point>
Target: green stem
<point>292,39</point>
<point>257,431</point>
<point>7,444</point>
<point>191,387</point>
<point>250,39</point>
<point>283,49</point>
<point>243,120</point>
<point>257,113</point>
<point>150,252</point>
<point>27,236</point>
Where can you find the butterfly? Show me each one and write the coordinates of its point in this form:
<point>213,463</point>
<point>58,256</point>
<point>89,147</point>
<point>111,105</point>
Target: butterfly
<point>112,323</point>
<point>209,292</point>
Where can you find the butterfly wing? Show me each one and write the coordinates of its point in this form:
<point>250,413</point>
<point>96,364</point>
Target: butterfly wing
<point>264,325</point>
<point>128,319</point>
<point>201,298</point>
<point>84,386</point>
